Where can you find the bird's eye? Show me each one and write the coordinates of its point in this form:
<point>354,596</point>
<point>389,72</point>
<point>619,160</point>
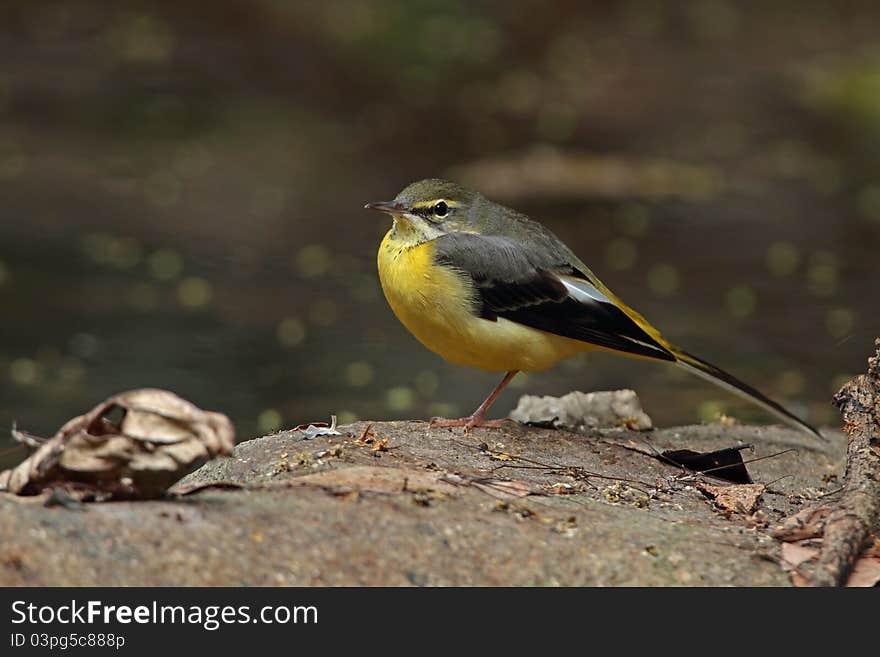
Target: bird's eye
<point>441,209</point>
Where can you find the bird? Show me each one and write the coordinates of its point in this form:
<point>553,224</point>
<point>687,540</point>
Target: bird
<point>487,287</point>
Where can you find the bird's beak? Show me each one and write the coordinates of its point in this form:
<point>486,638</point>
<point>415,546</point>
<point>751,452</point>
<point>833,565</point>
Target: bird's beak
<point>391,207</point>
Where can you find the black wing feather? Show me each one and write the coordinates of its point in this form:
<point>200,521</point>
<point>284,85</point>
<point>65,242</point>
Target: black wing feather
<point>511,285</point>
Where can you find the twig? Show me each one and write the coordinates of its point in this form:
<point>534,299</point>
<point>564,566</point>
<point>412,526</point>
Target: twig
<point>26,438</point>
<point>850,523</point>
<point>846,524</point>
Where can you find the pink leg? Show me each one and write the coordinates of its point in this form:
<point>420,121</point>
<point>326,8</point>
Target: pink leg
<point>478,417</point>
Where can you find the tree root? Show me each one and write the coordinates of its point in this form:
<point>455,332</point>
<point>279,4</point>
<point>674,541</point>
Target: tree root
<point>845,525</point>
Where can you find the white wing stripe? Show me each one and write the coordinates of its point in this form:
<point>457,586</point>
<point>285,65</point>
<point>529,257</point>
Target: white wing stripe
<point>582,291</point>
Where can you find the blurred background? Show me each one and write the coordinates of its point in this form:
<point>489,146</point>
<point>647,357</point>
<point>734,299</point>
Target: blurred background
<point>181,188</point>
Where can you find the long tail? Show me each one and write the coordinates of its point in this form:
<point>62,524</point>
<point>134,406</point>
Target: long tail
<point>721,378</point>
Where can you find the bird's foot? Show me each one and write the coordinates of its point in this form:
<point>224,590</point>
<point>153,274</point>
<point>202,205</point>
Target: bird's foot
<point>468,422</point>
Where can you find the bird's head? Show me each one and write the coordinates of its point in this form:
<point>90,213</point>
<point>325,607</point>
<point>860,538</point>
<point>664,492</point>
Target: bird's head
<point>430,208</point>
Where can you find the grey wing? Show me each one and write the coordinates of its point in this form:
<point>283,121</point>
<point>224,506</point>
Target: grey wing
<point>531,288</point>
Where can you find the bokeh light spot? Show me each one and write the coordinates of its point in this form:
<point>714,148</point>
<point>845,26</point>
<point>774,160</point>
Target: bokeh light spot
<point>346,417</point>
<point>839,322</point>
<point>868,202</point>
<point>621,254</point>
<point>141,38</point>
<point>165,264</point>
<point>123,253</point>
<point>194,292</point>
<point>269,420</point>
<point>782,258</point>
<point>291,332</point>
<point>710,410</point>
<point>443,409</point>
<point>313,260</point>
<point>791,383</point>
<point>399,398</point>
<point>741,301</point>
<point>23,371</point>
<point>359,374</point>
<point>426,383</point>
<point>663,279</point>
<point>823,274</point>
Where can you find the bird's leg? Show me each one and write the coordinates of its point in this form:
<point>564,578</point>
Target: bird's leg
<point>478,417</point>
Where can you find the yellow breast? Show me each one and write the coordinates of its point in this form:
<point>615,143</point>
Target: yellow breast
<point>436,304</point>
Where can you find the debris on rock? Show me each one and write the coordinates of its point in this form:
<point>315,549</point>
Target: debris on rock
<point>801,558</point>
<point>370,479</point>
<point>315,429</point>
<point>724,464</point>
<point>614,408</point>
<point>866,571</point>
<point>390,480</point>
<point>619,493</point>
<point>134,445</point>
<point>845,523</point>
<point>738,498</point>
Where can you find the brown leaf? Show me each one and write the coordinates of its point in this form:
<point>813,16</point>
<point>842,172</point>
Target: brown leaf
<point>133,445</point>
<point>794,554</point>
<point>739,498</point>
<point>799,580</point>
<point>806,523</point>
<point>866,572</point>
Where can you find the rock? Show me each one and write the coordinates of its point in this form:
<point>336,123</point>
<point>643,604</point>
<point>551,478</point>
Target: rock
<point>564,509</point>
<point>614,408</point>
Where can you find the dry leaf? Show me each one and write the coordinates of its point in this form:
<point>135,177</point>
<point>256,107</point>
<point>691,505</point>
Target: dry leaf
<point>132,446</point>
<point>738,498</point>
<point>794,554</point>
<point>806,523</point>
<point>799,580</point>
<point>724,464</point>
<point>380,445</point>
<point>866,572</point>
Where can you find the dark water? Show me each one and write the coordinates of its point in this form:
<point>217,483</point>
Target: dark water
<point>181,193</point>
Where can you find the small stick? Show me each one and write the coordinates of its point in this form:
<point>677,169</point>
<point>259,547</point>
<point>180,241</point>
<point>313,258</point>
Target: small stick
<point>849,524</point>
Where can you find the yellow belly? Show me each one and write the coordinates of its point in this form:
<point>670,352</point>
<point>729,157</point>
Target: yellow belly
<point>436,304</point>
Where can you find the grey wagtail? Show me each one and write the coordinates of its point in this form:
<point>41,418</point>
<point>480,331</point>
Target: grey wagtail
<point>487,287</point>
